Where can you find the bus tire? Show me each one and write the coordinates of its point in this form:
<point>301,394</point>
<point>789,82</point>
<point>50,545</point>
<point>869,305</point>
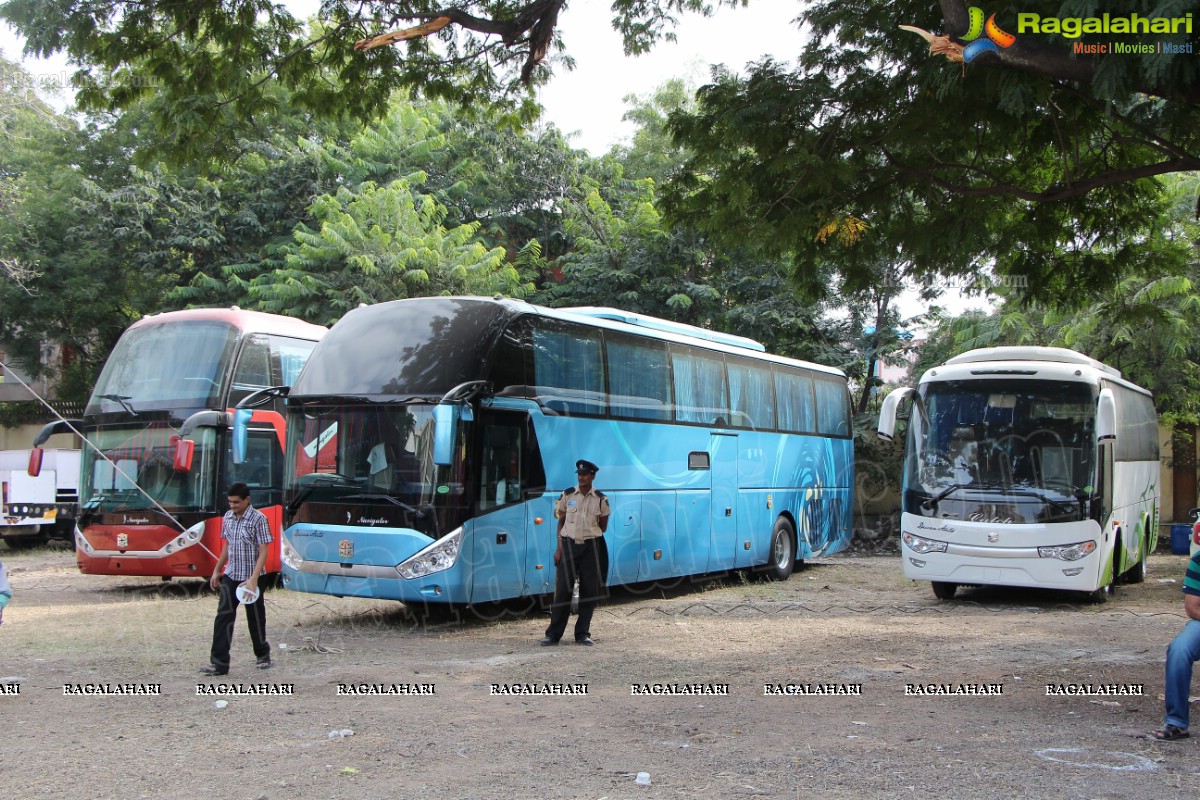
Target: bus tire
<point>26,542</point>
<point>943,590</point>
<point>1137,573</point>
<point>1105,592</point>
<point>782,555</point>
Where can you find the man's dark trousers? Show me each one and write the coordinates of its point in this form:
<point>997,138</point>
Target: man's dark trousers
<point>256,619</point>
<point>587,562</point>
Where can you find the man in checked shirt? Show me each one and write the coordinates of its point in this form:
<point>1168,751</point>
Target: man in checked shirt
<point>244,539</point>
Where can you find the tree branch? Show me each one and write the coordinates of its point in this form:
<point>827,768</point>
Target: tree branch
<point>1056,192</point>
<point>537,21</point>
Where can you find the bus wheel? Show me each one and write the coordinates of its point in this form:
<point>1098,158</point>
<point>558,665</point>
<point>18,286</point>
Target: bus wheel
<point>26,542</point>
<point>782,557</point>
<point>1137,574</point>
<point>1104,593</point>
<point>944,591</point>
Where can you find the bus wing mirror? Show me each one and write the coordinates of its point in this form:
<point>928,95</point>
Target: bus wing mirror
<point>241,428</point>
<point>887,414</point>
<point>445,433</point>
<point>1106,417</point>
<point>35,462</point>
<point>184,450</point>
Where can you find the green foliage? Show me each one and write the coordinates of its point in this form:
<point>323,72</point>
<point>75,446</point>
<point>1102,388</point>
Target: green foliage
<point>375,244</point>
<point>1144,326</point>
<point>204,67</point>
<point>872,151</point>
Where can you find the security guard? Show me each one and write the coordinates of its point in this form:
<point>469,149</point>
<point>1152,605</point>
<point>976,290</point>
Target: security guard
<point>581,553</point>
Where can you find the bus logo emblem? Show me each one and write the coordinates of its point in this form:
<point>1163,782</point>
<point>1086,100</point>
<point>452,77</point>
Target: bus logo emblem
<point>993,537</point>
<point>345,548</point>
<point>122,540</point>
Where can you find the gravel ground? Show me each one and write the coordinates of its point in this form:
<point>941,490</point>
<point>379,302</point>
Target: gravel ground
<point>845,624</point>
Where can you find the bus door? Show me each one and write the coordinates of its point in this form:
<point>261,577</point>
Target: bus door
<point>499,537</point>
<point>727,550</point>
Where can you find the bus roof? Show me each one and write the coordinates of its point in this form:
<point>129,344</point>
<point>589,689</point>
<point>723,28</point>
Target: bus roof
<point>427,345</point>
<point>1057,354</point>
<point>654,323</point>
<point>1050,363</point>
<point>245,321</point>
<point>646,325</point>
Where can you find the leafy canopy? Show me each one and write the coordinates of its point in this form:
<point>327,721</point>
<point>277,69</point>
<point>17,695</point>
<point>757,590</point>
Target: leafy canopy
<point>208,64</point>
<point>1029,163</point>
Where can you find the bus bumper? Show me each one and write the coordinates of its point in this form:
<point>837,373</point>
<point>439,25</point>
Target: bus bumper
<point>1077,560</point>
<point>367,564</point>
<point>150,551</point>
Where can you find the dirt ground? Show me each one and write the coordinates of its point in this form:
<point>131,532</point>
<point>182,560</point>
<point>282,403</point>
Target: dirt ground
<point>846,620</point>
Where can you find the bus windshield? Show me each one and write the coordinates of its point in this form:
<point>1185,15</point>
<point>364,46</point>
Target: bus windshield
<point>180,365</point>
<point>144,455</point>
<point>1003,450</point>
<point>377,456</point>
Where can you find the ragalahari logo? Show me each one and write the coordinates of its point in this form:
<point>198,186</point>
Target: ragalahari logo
<point>995,40</point>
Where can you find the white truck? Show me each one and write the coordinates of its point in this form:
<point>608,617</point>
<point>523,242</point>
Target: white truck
<point>35,508</point>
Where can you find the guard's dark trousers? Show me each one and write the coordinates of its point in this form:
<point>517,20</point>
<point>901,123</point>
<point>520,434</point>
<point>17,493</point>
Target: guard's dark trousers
<point>587,563</point>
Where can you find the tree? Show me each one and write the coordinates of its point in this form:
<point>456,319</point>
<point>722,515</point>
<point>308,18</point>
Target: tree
<point>209,64</point>
<point>1144,326</point>
<point>996,166</point>
<point>375,244</point>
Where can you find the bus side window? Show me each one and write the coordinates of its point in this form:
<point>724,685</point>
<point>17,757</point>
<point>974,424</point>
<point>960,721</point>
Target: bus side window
<point>262,469</point>
<point>253,369</point>
<point>288,357</point>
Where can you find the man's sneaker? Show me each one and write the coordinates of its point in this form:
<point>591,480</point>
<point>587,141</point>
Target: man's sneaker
<point>263,663</point>
<point>587,640</point>
<point>546,641</point>
<point>213,670</point>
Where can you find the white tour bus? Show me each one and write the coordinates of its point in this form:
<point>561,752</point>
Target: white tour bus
<point>1027,466</point>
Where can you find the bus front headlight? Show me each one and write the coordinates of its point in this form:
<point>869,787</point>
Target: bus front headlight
<point>289,555</point>
<point>919,544</point>
<point>441,555</point>
<point>1068,552</point>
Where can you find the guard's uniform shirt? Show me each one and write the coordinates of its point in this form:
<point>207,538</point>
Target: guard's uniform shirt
<point>581,514</point>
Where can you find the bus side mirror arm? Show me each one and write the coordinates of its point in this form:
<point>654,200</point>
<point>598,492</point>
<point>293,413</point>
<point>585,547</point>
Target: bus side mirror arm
<point>205,419</point>
<point>886,428</point>
<point>264,396</point>
<point>1106,417</point>
<point>185,448</point>
<point>58,426</point>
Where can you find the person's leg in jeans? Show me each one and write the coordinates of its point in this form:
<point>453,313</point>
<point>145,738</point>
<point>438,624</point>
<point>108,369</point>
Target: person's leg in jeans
<point>1182,653</point>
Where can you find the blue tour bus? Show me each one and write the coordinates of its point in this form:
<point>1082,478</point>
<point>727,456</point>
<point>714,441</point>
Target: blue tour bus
<point>429,438</point>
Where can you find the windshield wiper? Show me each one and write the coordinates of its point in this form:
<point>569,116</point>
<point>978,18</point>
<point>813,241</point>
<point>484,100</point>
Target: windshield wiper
<point>123,399</point>
<point>299,499</point>
<point>416,512</point>
<point>930,502</point>
<point>1047,500</point>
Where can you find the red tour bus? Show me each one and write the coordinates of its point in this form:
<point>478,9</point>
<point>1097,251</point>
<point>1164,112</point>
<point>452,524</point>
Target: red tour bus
<point>159,441</point>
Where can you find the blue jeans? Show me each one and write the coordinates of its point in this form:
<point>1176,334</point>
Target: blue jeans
<point>1183,652</point>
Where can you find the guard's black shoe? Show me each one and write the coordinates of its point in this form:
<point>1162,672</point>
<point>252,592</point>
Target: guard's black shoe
<point>546,641</point>
<point>263,663</point>
<point>587,640</point>
<point>213,670</point>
